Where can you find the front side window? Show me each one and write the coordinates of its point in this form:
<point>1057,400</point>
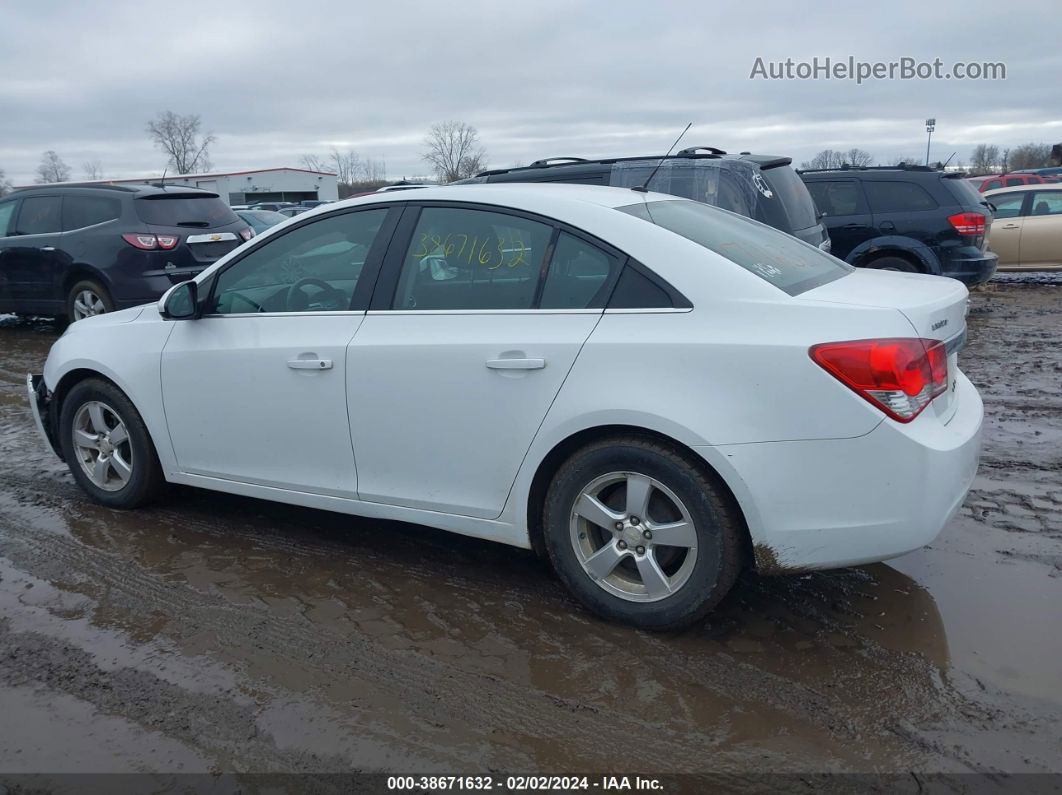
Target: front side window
<point>82,211</point>
<point>313,268</point>
<point>774,256</point>
<point>992,185</point>
<point>39,216</point>
<point>887,197</point>
<point>1008,205</point>
<point>471,259</point>
<point>1013,182</point>
<point>840,197</point>
<point>1046,202</point>
<point>7,213</point>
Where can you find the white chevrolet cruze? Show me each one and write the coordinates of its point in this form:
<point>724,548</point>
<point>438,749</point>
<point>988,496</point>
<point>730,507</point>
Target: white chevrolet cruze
<point>653,391</point>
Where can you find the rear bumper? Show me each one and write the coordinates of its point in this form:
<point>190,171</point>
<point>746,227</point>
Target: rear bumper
<point>843,502</point>
<point>39,399</point>
<point>970,270</point>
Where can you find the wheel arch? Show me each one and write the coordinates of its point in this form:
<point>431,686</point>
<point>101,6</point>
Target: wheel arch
<point>80,271</point>
<point>560,452</point>
<point>896,246</point>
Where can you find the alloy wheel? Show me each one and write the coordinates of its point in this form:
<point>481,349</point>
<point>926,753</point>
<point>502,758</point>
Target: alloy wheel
<point>101,444</point>
<point>88,304</point>
<point>633,536</point>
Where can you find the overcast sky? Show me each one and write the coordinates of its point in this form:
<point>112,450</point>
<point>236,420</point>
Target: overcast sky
<point>275,80</point>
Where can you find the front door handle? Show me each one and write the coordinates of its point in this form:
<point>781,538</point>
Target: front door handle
<point>516,364</point>
<point>47,248</point>
<point>310,364</point>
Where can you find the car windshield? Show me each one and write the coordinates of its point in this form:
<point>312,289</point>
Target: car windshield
<point>183,210</point>
<point>777,258</point>
<point>262,219</point>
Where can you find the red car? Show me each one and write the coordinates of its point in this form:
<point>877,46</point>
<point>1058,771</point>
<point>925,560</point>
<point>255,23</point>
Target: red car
<point>993,181</point>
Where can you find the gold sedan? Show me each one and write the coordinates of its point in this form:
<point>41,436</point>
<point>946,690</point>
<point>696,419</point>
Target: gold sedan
<point>1027,228</point>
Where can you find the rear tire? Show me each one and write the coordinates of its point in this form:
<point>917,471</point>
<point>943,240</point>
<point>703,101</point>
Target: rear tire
<point>87,298</point>
<point>107,446</point>
<point>893,264</point>
<point>639,493</point>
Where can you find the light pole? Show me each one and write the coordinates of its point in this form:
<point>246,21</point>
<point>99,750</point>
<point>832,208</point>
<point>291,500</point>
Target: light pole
<point>931,125</point>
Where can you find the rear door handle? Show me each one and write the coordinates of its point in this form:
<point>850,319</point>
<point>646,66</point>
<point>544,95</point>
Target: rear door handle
<point>1009,226</point>
<point>310,364</point>
<point>516,364</point>
<point>855,226</point>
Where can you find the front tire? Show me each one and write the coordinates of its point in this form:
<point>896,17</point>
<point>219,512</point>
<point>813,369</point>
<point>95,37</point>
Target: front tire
<point>641,535</point>
<point>893,264</point>
<point>107,446</point>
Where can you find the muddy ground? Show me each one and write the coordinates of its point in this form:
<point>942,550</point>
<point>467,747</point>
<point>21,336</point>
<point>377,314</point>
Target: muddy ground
<point>222,634</point>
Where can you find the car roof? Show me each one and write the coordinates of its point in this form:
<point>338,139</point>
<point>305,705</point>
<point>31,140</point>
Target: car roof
<point>1037,186</point>
<point>763,161</point>
<point>140,190</point>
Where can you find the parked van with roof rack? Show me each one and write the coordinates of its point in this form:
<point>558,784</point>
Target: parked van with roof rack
<point>762,187</point>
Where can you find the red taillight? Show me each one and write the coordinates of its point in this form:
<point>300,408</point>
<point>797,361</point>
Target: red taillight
<point>151,242</point>
<point>968,223</point>
<point>247,233</point>
<point>899,376</point>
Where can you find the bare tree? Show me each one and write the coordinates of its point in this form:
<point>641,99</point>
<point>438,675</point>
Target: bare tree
<point>375,171</point>
<point>827,158</point>
<point>93,169</point>
<point>906,160</point>
<point>454,151</point>
<point>857,157</point>
<point>346,165</point>
<point>178,136</point>
<point>313,163</point>
<point>5,184</point>
<point>1030,155</point>
<point>1004,161</point>
<point>984,159</point>
<point>52,168</point>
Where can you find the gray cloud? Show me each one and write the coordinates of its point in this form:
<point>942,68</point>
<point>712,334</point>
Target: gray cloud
<point>274,80</point>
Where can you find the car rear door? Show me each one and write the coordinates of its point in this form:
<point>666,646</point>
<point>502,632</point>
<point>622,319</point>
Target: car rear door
<point>847,216</point>
<point>464,350</point>
<point>901,207</point>
<point>1041,232</point>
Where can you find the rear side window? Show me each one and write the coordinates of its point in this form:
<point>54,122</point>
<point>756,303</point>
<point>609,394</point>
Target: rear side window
<point>82,211</point>
<point>790,189</point>
<point>774,256</point>
<point>195,212</point>
<point>7,212</point>
<point>472,259</point>
<point>39,216</point>
<point>838,197</point>
<point>964,191</point>
<point>1046,202</point>
<point>888,197</point>
<point>579,275</point>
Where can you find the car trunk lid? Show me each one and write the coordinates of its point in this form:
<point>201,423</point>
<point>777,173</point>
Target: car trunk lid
<point>935,307</point>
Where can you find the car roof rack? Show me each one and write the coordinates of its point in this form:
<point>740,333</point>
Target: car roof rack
<point>692,150</point>
<point>850,167</point>
<point>548,161</point>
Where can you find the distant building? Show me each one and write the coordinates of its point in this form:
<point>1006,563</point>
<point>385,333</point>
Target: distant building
<point>247,187</point>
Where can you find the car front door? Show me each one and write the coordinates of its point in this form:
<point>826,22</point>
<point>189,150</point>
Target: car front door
<point>477,320</point>
<point>1005,237</point>
<point>1041,231</point>
<point>846,215</point>
<point>31,259</point>
<point>254,390</point>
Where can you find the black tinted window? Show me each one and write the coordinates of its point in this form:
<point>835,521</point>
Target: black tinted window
<point>82,211</point>
<point>39,216</point>
<point>471,259</point>
<point>841,197</point>
<point>578,275</point>
<point>1013,182</point>
<point>200,212</point>
<point>635,290</point>
<point>7,215</point>
<point>790,189</point>
<point>886,197</point>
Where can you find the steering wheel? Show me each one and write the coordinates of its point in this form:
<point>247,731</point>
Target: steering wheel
<point>337,295</point>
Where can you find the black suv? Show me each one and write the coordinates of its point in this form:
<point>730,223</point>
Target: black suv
<point>74,251</point>
<point>905,218</point>
<point>762,187</point>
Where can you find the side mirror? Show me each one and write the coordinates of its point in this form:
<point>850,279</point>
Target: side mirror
<point>180,302</point>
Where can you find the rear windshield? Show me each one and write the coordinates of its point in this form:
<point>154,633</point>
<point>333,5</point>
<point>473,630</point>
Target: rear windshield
<point>197,212</point>
<point>794,194</point>
<point>777,258</point>
<point>962,190</point>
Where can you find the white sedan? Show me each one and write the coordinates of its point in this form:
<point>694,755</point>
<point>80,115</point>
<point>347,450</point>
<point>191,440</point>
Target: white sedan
<point>653,392</point>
